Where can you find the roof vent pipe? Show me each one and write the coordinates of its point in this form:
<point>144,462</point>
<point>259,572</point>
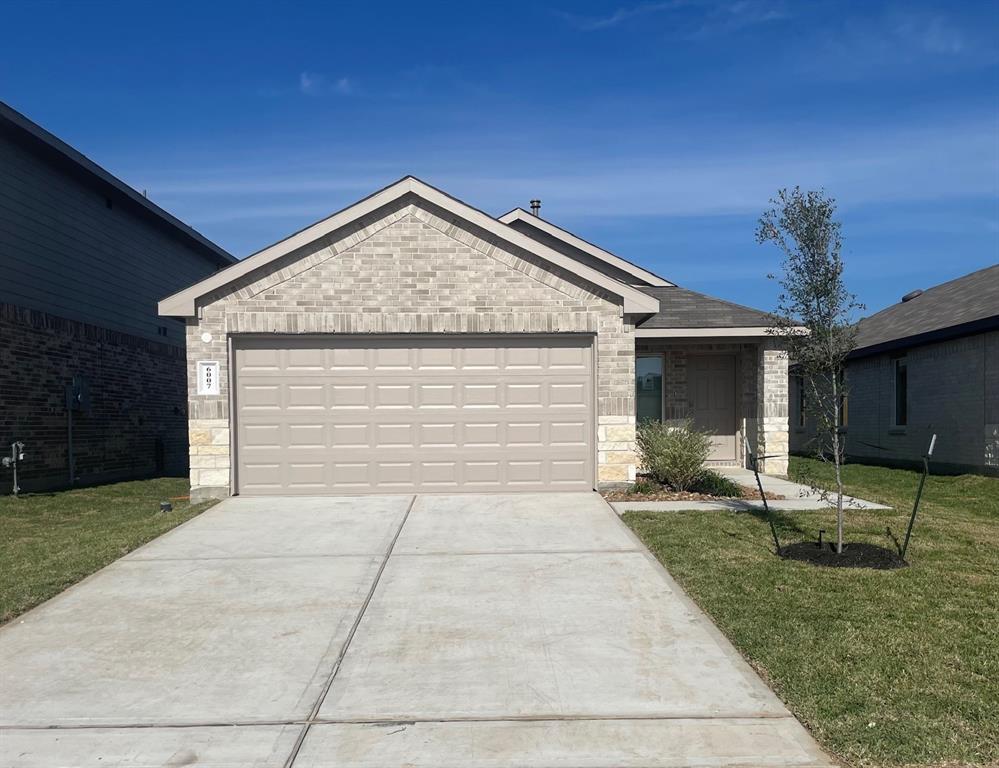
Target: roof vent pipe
<point>911,295</point>
<point>536,207</point>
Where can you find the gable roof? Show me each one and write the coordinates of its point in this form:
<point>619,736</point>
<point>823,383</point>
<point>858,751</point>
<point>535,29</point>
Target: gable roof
<point>683,308</point>
<point>182,304</point>
<point>64,156</point>
<point>525,221</point>
<point>968,304</point>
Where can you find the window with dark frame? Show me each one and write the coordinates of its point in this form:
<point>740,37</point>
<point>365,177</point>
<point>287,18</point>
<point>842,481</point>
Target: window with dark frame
<point>648,388</point>
<point>901,390</point>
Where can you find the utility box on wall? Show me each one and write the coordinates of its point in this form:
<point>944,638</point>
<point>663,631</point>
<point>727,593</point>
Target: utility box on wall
<point>78,395</point>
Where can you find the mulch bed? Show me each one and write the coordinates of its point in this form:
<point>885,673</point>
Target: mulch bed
<point>855,555</point>
<point>666,495</point>
<point>662,493</point>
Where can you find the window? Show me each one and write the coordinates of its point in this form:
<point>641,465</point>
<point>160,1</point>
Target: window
<point>800,382</point>
<point>901,389</point>
<point>648,388</point>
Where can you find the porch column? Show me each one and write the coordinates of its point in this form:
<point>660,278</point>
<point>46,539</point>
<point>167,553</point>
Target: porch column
<point>772,407</point>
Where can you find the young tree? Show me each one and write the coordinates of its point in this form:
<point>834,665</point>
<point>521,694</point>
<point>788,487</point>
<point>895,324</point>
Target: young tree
<point>813,297</point>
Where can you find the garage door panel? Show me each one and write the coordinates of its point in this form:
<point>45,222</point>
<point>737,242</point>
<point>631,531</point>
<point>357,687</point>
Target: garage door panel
<point>481,434</point>
<point>568,395</point>
<point>521,434</point>
<point>355,415</point>
<point>393,396</point>
<point>300,360</point>
<point>568,433</point>
<point>480,396</point>
<point>350,435</point>
<point>349,396</point>
<point>310,396</point>
<point>438,396</point>
<point>389,436</point>
<point>524,395</point>
<point>389,358</point>
<point>306,435</point>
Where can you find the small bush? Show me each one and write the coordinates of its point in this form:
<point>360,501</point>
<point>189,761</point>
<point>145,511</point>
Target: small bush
<point>713,484</point>
<point>673,455</point>
<point>643,486</point>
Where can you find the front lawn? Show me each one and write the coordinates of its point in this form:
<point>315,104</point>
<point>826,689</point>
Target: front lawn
<point>884,667</point>
<point>52,540</point>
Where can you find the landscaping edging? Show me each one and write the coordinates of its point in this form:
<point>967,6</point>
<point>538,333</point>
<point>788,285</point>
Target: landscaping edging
<point>733,505</point>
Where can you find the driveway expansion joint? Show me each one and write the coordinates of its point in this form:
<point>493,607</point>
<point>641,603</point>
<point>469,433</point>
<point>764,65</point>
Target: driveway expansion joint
<point>314,713</point>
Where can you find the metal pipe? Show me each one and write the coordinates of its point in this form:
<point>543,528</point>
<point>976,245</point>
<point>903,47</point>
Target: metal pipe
<point>759,484</point>
<point>70,461</point>
<point>919,495</point>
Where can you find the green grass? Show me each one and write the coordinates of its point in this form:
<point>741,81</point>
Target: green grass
<point>884,667</point>
<point>49,541</point>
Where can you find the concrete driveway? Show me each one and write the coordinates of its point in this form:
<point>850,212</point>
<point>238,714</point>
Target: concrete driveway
<point>471,631</point>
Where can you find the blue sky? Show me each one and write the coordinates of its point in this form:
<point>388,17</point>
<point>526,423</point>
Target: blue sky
<point>656,129</point>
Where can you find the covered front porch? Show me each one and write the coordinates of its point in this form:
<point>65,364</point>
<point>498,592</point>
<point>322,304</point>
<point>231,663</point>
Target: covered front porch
<point>729,381</point>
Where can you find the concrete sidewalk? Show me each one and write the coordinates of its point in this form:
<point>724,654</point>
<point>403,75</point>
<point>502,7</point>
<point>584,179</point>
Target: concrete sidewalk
<point>448,631</point>
<point>796,497</point>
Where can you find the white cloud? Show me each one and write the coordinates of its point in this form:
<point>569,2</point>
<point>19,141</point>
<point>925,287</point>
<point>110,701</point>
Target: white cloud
<point>590,23</point>
<point>932,34</point>
<point>311,83</point>
<point>952,161</point>
<point>704,17</point>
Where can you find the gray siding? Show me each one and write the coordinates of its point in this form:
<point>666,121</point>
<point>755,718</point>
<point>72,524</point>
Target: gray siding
<point>64,252</point>
<point>953,392</point>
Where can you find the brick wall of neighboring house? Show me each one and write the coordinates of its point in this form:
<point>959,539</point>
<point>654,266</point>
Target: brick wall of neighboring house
<point>411,269</point>
<point>136,425</point>
<point>953,392</point>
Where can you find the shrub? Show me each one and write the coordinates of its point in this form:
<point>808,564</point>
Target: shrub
<point>713,484</point>
<point>673,455</point>
<point>643,486</point>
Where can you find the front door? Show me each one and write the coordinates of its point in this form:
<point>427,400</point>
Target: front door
<point>712,399</point>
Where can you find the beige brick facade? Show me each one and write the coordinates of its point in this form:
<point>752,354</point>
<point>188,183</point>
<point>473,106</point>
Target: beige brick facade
<point>410,269</point>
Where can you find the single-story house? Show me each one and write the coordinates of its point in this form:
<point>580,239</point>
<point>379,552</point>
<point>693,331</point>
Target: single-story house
<point>926,365</point>
<point>412,343</point>
<point>92,380</point>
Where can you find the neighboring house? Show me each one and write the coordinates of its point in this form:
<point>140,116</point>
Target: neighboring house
<point>413,343</point>
<point>92,380</point>
<point>927,365</point>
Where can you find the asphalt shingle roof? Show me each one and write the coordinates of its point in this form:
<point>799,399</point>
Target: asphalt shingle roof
<point>683,308</point>
<point>967,299</point>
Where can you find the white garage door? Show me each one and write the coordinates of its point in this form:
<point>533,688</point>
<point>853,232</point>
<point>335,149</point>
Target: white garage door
<point>320,414</point>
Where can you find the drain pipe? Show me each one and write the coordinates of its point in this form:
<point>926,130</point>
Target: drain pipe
<point>70,461</point>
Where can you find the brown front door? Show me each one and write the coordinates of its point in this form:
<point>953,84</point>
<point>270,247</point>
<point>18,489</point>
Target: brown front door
<point>712,396</point>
